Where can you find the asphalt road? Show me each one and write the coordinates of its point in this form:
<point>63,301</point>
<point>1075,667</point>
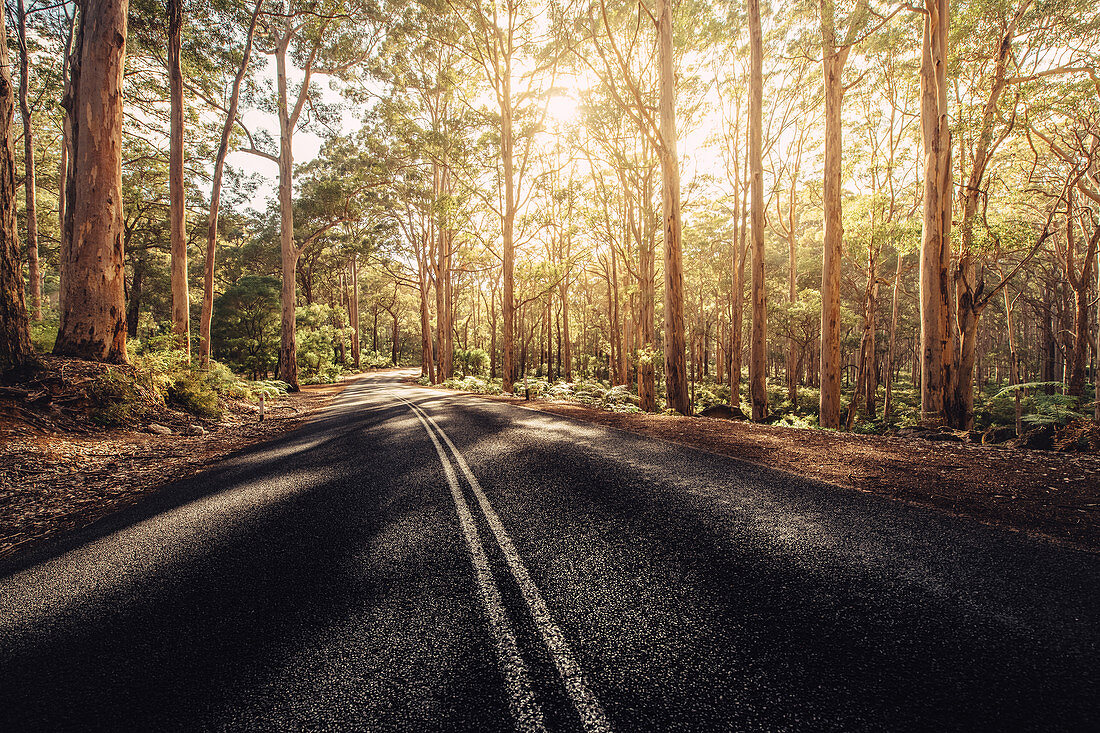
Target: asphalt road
<point>413,560</point>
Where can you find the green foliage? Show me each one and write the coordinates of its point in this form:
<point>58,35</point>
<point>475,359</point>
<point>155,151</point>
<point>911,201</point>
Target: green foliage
<point>473,362</point>
<point>1055,409</point>
<point>245,329</point>
<point>121,395</point>
<point>476,385</point>
<point>318,336</point>
<point>374,360</point>
<point>44,332</point>
<point>194,393</point>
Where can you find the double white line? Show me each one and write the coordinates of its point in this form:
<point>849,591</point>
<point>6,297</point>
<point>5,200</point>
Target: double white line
<point>525,709</point>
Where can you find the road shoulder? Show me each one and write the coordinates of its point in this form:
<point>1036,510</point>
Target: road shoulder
<point>56,482</point>
<point>1051,495</point>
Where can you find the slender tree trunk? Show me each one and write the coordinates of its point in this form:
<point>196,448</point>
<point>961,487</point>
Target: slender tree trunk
<point>133,297</point>
<point>64,166</point>
<point>969,282</point>
<point>92,319</point>
<point>177,214</point>
<point>216,195</point>
<point>833,62</point>
<point>675,367</point>
<point>15,344</point>
<point>509,255</point>
<point>647,293</point>
<point>353,311</point>
<point>793,354</point>
<point>888,409</point>
<point>1096,356</point>
<point>33,272</point>
<point>758,352</point>
<point>1014,361</point>
<point>937,343</point>
<point>395,344</point>
<point>288,250</point>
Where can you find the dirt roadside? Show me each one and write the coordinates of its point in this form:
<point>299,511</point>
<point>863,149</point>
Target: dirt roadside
<point>1043,493</point>
<point>55,481</point>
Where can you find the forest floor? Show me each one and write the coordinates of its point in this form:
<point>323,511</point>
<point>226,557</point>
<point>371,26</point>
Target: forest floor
<point>60,471</point>
<point>1045,493</point>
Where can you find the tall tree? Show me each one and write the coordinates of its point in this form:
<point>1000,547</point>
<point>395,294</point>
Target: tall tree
<point>216,190</point>
<point>177,216</point>
<point>329,42</point>
<point>92,312</point>
<point>937,337</point>
<point>676,378</point>
<point>758,391</point>
<point>34,274</point>
<point>15,344</point>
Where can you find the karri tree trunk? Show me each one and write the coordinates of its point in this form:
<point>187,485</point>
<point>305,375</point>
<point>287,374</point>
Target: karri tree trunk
<point>353,310</point>
<point>34,273</point>
<point>647,393</point>
<point>676,388</point>
<point>970,285</point>
<point>1096,356</point>
<point>15,342</point>
<point>508,265</point>
<point>207,313</point>
<point>833,61</point>
<point>888,408</point>
<point>64,163</point>
<point>288,251</point>
<point>92,317</point>
<point>937,337</point>
<point>758,343</point>
<point>1014,361</point>
<point>177,214</point>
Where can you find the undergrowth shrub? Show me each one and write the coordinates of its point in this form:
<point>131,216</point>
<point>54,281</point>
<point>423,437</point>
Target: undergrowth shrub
<point>193,393</point>
<point>121,395</point>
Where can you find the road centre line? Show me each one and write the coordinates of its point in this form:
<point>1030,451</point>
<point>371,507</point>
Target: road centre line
<point>521,699</point>
<point>588,707</point>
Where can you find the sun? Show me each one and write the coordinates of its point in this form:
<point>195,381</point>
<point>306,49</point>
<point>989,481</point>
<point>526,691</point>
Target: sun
<point>562,110</point>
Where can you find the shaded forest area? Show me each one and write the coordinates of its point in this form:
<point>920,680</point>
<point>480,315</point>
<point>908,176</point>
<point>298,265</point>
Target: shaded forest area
<point>872,217</point>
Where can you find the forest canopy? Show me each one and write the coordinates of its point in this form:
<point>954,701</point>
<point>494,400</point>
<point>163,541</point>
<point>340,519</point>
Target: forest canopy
<point>852,215</point>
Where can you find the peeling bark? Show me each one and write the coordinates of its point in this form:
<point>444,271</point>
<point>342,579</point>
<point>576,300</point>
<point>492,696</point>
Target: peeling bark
<point>92,317</point>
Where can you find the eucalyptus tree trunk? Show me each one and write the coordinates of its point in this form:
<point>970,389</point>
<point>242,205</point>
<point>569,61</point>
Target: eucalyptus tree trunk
<point>1096,357</point>
<point>64,157</point>
<point>833,61</point>
<point>1014,362</point>
<point>970,285</point>
<point>353,310</point>
<point>647,396</point>
<point>937,337</point>
<point>216,195</point>
<point>888,408</point>
<point>1079,281</point>
<point>177,215</point>
<point>676,388</point>
<point>33,272</point>
<point>792,295</point>
<point>288,253</point>
<point>92,317</point>
<point>758,347</point>
<point>508,341</point>
<point>15,343</point>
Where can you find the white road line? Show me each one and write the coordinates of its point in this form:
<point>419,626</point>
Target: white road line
<point>588,707</point>
<point>521,699</point>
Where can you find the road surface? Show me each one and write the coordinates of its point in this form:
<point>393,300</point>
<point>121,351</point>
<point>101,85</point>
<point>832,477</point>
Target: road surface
<point>414,560</point>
